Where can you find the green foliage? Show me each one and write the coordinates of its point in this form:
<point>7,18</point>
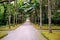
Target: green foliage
<point>20,3</point>
<point>33,1</point>
<point>1,11</point>
<point>56,16</point>
<point>1,8</point>
<point>21,7</point>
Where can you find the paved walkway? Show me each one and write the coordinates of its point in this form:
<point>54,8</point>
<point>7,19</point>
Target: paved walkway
<point>24,32</point>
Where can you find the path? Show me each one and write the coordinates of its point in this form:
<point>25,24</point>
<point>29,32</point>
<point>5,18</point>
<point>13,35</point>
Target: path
<point>24,32</point>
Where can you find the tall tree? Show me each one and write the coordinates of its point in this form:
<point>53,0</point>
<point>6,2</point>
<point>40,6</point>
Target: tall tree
<point>40,13</point>
<point>15,10</point>
<point>9,13</point>
<point>49,15</point>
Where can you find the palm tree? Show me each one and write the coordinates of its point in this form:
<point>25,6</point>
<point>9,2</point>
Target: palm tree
<point>40,13</point>
<point>49,15</point>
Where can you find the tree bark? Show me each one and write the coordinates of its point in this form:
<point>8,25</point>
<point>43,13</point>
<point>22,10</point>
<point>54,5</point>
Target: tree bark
<point>40,14</point>
<point>15,12</point>
<point>49,15</point>
<point>9,14</point>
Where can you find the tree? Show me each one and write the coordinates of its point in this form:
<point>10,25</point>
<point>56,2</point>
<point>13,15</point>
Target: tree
<point>49,15</point>
<point>40,13</point>
<point>15,16</point>
<point>15,11</point>
<point>9,13</point>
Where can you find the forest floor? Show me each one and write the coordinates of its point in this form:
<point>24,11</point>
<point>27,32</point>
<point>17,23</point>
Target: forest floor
<point>24,32</point>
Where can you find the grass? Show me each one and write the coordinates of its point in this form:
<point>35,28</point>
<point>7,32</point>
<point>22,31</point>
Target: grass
<point>51,36</point>
<point>3,34</point>
<point>12,27</point>
<point>45,27</point>
<point>4,28</point>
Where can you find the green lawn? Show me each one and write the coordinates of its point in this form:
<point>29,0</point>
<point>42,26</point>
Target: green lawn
<point>45,27</point>
<point>51,36</point>
<point>12,27</point>
<point>3,34</point>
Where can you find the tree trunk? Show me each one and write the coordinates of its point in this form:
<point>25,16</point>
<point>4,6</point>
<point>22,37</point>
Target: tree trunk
<point>40,13</point>
<point>53,5</point>
<point>49,15</point>
<point>15,16</point>
<point>9,14</point>
<point>14,19</point>
<point>16,10</point>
